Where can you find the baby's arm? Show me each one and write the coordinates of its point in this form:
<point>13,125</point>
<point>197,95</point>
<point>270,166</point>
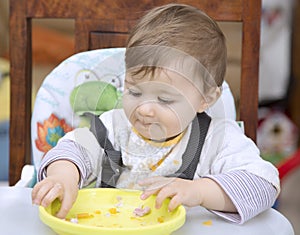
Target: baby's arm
<point>249,193</point>
<point>200,192</point>
<point>71,164</point>
<point>61,182</point>
<point>237,196</point>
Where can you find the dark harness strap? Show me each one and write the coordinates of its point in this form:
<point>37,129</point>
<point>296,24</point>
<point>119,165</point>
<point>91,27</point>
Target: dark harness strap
<point>191,156</point>
<point>111,160</point>
<point>112,164</point>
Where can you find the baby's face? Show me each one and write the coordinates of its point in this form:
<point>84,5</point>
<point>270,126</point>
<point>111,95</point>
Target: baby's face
<point>162,106</point>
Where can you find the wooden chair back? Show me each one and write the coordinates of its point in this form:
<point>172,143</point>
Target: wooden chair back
<point>106,23</point>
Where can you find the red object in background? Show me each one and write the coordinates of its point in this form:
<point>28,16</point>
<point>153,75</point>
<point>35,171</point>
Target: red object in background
<point>288,165</point>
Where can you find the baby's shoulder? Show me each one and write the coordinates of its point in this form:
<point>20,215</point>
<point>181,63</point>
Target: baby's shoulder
<point>226,126</point>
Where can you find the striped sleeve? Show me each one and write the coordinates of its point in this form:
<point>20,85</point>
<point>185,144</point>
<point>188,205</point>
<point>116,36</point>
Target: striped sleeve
<point>71,151</point>
<point>249,193</point>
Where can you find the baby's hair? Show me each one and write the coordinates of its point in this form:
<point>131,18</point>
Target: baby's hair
<point>183,28</point>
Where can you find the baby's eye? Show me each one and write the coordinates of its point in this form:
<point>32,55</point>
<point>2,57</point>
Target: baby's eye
<point>134,93</point>
<point>165,100</point>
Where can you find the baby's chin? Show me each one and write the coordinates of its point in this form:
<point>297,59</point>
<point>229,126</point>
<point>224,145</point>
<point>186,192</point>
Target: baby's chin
<point>151,131</point>
<point>156,134</point>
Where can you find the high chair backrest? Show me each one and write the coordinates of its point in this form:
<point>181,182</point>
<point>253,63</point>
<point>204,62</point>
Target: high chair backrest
<point>103,24</point>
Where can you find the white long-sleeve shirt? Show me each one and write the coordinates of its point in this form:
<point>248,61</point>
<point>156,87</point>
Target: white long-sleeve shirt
<point>228,157</point>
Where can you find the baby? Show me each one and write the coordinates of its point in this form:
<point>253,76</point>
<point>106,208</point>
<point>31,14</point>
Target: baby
<point>162,141</point>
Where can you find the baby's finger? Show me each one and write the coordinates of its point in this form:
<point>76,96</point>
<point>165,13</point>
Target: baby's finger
<point>150,181</point>
<point>35,195</point>
<point>55,192</point>
<point>148,193</point>
<point>155,183</point>
<point>66,205</point>
<point>174,203</point>
<point>166,192</point>
<point>64,209</point>
<point>40,191</point>
<point>35,190</point>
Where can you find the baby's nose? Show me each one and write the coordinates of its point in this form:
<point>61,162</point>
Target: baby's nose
<point>146,109</point>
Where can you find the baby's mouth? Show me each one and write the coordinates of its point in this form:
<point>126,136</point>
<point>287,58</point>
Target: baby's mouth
<point>144,123</point>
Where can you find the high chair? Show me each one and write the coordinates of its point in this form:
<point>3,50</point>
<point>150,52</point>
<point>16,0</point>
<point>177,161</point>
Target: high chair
<point>105,24</point>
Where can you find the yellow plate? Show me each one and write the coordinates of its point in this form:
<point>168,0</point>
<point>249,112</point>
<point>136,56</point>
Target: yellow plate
<point>110,212</point>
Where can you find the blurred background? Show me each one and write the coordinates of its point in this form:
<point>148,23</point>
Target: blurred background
<point>279,83</point>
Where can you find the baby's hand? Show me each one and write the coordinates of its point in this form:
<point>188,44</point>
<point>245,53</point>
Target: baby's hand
<point>46,191</point>
<point>179,190</point>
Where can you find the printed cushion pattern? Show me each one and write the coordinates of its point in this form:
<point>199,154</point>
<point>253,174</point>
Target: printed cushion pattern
<point>53,114</point>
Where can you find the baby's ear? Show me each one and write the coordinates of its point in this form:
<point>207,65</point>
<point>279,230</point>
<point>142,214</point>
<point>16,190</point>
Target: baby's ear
<point>210,98</point>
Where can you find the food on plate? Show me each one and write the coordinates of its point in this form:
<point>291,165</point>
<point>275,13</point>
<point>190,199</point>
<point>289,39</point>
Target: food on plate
<point>142,211</point>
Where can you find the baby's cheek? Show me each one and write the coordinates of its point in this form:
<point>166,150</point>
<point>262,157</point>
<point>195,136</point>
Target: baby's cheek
<point>129,106</point>
<point>184,113</point>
